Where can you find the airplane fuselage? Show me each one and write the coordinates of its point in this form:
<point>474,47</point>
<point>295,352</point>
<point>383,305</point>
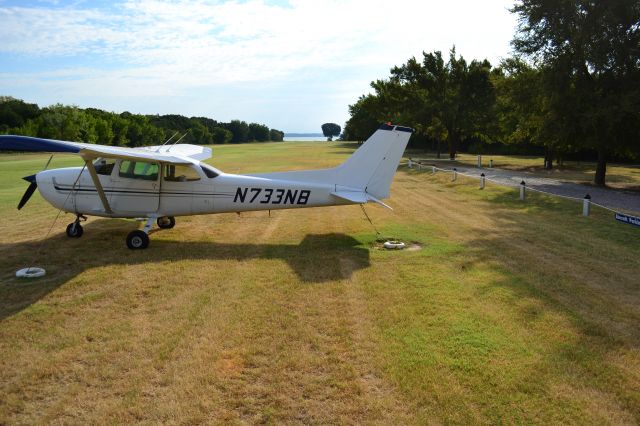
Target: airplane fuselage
<point>161,182</point>
<point>72,190</point>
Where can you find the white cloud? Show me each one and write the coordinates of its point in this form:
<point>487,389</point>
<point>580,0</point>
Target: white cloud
<point>159,48</point>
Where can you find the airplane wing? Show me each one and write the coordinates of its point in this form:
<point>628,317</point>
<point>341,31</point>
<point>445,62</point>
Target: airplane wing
<point>91,151</point>
<point>196,152</point>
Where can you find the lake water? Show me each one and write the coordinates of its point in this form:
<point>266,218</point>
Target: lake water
<point>305,139</point>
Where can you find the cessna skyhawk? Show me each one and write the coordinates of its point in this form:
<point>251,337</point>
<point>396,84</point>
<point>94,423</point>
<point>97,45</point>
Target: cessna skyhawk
<point>159,183</point>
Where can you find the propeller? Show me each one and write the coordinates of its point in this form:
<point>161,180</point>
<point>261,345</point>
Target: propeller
<point>30,190</point>
<point>32,186</point>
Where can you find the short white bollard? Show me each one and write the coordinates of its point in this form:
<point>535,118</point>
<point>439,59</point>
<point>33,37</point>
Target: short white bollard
<point>482,181</point>
<point>455,175</point>
<point>479,164</point>
<point>522,191</point>
<point>586,205</point>
<point>410,163</point>
<point>433,169</point>
<point>490,163</point>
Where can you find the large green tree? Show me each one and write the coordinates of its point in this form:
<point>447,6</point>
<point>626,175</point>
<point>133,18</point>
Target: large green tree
<point>444,101</point>
<point>452,99</point>
<point>258,132</point>
<point>330,130</point>
<point>240,130</point>
<point>365,119</point>
<point>589,52</point>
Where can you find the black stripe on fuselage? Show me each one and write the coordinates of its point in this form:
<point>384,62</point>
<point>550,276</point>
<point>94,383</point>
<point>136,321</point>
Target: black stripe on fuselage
<point>154,193</point>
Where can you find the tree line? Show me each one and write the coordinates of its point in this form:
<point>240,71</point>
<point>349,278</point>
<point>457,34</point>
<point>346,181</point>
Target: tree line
<point>91,125</point>
<point>571,90</point>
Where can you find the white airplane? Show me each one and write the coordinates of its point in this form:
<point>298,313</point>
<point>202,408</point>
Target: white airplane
<point>161,182</point>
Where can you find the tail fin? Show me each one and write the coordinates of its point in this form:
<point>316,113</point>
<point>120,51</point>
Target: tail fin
<point>370,169</point>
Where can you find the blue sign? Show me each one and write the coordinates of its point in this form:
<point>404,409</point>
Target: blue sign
<point>632,220</point>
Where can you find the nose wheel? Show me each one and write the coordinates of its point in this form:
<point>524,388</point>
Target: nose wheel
<point>74,229</point>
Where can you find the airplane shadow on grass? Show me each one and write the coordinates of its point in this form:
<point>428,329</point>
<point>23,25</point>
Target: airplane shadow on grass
<point>318,258</point>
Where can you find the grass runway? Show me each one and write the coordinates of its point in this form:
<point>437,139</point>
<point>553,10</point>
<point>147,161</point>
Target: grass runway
<point>510,313</point>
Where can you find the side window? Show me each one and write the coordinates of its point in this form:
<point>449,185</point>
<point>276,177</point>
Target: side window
<point>178,173</point>
<point>104,166</point>
<point>209,171</point>
<point>138,170</point>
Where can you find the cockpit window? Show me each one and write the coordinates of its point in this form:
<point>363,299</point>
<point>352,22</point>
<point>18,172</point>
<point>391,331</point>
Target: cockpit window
<point>138,170</point>
<point>179,173</point>
<point>209,171</point>
<point>104,166</point>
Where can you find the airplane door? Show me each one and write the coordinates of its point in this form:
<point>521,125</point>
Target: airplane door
<point>135,187</point>
<point>86,196</point>
<point>186,189</point>
<point>177,189</point>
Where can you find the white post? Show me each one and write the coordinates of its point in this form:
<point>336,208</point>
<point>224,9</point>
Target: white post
<point>522,194</point>
<point>491,163</point>
<point>482,181</point>
<point>479,165</point>
<point>410,163</point>
<point>455,175</point>
<point>433,169</point>
<point>586,204</point>
<point>419,165</point>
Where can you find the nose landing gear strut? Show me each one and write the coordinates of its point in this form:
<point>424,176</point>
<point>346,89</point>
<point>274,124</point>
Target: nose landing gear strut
<point>74,229</point>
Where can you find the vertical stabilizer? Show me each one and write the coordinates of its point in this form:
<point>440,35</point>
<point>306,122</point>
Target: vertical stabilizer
<point>370,169</point>
<point>374,164</point>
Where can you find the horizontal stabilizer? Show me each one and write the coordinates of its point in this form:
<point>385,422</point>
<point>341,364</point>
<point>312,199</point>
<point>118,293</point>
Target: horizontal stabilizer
<point>358,197</point>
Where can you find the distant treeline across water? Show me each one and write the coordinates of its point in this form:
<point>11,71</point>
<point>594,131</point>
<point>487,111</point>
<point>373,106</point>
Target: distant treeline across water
<point>91,125</point>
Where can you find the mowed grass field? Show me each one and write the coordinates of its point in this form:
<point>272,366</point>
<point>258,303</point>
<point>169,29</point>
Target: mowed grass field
<point>510,312</point>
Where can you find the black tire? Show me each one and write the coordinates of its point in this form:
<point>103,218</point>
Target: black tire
<point>166,222</point>
<point>137,240</point>
<point>74,230</point>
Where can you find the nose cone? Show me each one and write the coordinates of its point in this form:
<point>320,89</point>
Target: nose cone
<point>30,179</point>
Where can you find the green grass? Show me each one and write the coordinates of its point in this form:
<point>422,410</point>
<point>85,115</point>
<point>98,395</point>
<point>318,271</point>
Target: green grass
<point>510,312</point>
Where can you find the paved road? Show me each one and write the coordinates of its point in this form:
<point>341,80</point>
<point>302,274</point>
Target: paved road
<point>613,198</point>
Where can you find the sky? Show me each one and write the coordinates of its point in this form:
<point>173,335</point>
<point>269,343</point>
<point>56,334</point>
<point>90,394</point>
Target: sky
<point>291,65</point>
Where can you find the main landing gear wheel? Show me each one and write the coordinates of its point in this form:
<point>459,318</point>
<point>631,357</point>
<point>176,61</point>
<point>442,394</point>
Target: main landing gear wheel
<point>74,230</point>
<point>137,240</point>
<point>166,222</point>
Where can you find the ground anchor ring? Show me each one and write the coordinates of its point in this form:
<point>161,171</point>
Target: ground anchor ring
<point>394,245</point>
<point>31,272</point>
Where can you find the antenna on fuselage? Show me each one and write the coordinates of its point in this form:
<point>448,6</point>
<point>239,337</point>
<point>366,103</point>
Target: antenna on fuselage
<point>172,136</point>
<point>182,137</point>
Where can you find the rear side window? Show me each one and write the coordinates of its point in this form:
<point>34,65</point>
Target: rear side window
<point>209,172</point>
<point>179,173</point>
<point>138,170</point>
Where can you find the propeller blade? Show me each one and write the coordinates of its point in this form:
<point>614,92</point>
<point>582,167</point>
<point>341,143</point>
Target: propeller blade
<point>30,178</point>
<point>29,192</point>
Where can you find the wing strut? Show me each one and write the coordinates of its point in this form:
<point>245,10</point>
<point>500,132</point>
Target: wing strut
<point>98,185</point>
